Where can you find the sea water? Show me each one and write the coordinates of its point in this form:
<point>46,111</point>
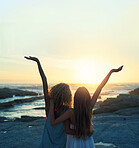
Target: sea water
<point>109,91</point>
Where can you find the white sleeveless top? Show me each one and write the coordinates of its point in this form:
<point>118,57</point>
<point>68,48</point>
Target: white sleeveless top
<point>73,142</point>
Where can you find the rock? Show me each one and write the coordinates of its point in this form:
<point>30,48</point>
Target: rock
<point>113,129</point>
<point>135,91</point>
<point>107,102</point>
<point>2,119</point>
<point>122,101</point>
<point>20,135</point>
<point>128,111</point>
<point>19,101</point>
<point>27,118</point>
<point>105,110</point>
<point>7,92</point>
<point>110,130</point>
<point>30,87</point>
<point>39,108</point>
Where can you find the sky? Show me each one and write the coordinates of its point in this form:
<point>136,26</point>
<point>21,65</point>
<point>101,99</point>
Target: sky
<point>77,41</point>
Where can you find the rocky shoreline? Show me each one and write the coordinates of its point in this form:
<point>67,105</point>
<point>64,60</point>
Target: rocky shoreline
<point>118,130</point>
<point>116,122</point>
<point>120,103</point>
<point>7,93</point>
<point>19,101</point>
<point>123,101</point>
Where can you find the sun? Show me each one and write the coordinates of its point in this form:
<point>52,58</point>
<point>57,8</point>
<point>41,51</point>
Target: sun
<point>86,73</point>
<point>90,71</point>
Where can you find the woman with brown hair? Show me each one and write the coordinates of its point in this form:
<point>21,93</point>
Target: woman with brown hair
<point>80,116</point>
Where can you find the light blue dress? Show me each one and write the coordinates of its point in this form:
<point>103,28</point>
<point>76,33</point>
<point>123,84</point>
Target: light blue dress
<point>53,136</point>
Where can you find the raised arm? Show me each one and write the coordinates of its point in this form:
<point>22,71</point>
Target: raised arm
<point>44,80</point>
<point>102,84</point>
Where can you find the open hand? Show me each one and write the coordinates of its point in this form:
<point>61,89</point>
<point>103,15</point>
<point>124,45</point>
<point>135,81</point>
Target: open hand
<point>32,58</point>
<point>118,69</point>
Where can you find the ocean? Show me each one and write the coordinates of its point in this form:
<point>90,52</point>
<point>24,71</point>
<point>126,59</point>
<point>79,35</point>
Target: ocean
<point>109,91</point>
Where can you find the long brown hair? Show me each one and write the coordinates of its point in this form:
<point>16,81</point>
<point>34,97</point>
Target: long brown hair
<point>83,113</point>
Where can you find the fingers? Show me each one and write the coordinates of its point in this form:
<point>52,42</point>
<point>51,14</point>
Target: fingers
<point>25,57</point>
<point>32,58</point>
<point>121,67</point>
<point>29,58</point>
<point>118,69</point>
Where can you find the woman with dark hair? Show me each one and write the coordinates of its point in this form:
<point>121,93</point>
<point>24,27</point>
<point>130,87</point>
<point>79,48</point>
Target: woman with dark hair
<point>80,116</point>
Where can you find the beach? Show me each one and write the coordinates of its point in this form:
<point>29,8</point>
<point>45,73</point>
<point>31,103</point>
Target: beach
<point>117,130</point>
<point>91,45</point>
<point>115,121</point>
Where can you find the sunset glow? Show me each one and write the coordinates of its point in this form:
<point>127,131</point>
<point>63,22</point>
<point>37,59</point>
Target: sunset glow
<point>85,74</point>
<point>90,71</point>
<point>76,42</point>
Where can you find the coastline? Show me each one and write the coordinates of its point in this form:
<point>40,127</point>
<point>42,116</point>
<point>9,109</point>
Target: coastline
<point>18,106</point>
<point>120,130</point>
<point>116,124</point>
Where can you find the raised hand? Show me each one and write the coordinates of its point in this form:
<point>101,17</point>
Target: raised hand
<point>118,69</point>
<point>102,84</point>
<point>44,80</point>
<point>32,58</point>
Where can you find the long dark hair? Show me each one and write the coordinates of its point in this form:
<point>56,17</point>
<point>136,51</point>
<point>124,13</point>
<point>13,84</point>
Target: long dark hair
<point>83,113</point>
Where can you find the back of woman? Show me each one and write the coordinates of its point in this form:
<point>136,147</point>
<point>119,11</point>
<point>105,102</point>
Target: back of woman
<point>53,136</point>
<point>82,124</point>
<point>83,105</point>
